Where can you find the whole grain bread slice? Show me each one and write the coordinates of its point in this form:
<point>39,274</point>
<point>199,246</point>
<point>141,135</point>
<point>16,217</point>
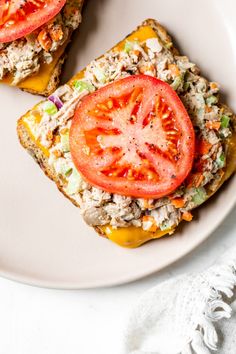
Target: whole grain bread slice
<point>29,144</point>
<point>41,158</point>
<point>56,73</point>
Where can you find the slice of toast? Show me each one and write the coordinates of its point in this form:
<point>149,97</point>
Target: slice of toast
<point>131,236</point>
<point>48,77</point>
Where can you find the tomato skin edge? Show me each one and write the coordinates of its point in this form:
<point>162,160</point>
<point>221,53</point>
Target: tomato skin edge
<point>24,28</point>
<point>125,187</point>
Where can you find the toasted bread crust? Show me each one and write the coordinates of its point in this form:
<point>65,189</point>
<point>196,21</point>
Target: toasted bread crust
<point>54,80</point>
<point>42,160</point>
<point>28,143</point>
<point>55,76</point>
<point>39,156</point>
<point>162,33</point>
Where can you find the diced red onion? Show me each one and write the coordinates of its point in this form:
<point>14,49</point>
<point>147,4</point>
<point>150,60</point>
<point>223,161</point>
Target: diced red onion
<point>56,100</point>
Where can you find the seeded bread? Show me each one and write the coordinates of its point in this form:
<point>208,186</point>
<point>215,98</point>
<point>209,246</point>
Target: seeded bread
<point>41,158</point>
<point>54,79</point>
<point>25,138</point>
<point>28,143</point>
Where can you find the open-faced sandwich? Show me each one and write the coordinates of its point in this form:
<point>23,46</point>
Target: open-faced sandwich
<point>33,39</point>
<point>137,139</point>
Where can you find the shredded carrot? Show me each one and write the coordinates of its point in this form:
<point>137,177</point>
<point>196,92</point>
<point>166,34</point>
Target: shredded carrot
<point>174,69</point>
<point>49,135</point>
<point>208,109</point>
<point>153,226</point>
<point>187,216</point>
<point>213,85</point>
<point>147,67</point>
<point>57,153</point>
<point>213,125</point>
<point>135,52</point>
<point>204,147</point>
<point>195,180</point>
<point>178,202</point>
<point>45,40</point>
<point>57,139</point>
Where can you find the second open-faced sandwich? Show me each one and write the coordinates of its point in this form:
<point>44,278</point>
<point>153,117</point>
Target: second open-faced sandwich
<point>33,39</point>
<point>137,140</point>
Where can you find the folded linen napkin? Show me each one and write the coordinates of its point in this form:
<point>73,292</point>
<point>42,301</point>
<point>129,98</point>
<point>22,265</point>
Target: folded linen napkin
<point>190,314</point>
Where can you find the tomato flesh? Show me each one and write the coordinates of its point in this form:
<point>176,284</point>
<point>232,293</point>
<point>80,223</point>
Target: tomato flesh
<point>133,137</point>
<point>21,17</point>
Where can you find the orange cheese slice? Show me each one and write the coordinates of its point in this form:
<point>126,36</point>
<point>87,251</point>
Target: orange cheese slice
<point>39,82</point>
<point>131,237</point>
<point>126,236</point>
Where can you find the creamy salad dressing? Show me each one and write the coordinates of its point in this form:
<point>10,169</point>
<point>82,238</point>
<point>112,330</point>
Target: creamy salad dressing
<point>23,57</point>
<point>200,99</point>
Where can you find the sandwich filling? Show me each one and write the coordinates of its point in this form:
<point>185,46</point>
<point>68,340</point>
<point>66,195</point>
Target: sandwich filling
<point>49,123</point>
<point>23,57</point>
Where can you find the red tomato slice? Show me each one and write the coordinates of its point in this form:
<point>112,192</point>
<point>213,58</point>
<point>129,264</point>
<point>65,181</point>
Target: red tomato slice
<point>21,17</point>
<point>133,137</point>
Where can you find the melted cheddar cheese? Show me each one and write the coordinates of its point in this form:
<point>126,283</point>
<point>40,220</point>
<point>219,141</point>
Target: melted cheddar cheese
<point>39,82</point>
<point>129,237</point>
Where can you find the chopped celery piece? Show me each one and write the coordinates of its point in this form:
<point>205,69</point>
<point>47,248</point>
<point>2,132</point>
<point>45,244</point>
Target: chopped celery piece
<point>201,105</point>
<point>128,46</point>
<point>177,81</point>
<point>65,142</point>
<point>100,76</point>
<point>211,100</point>
<point>225,121</point>
<point>83,85</point>
<point>199,196</point>
<point>74,182</point>
<point>221,160</point>
<point>62,167</point>
<point>50,108</point>
<point>186,86</point>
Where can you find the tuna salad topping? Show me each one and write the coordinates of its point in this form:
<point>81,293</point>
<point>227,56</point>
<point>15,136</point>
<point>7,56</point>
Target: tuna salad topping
<point>23,57</point>
<point>213,123</point>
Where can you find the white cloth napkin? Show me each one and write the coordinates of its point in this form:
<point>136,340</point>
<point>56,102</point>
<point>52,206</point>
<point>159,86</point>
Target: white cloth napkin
<point>190,314</point>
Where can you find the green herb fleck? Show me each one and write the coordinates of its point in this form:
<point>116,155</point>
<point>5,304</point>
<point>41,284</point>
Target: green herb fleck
<point>186,86</point>
<point>164,226</point>
<point>211,100</point>
<point>225,121</point>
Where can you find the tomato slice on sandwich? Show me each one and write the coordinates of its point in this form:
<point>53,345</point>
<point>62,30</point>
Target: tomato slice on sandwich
<point>21,17</point>
<point>133,137</point>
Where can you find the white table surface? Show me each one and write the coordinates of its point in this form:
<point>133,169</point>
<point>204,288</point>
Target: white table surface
<point>44,321</point>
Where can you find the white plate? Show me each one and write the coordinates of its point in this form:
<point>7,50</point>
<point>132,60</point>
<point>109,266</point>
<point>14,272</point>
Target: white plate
<point>43,240</point>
